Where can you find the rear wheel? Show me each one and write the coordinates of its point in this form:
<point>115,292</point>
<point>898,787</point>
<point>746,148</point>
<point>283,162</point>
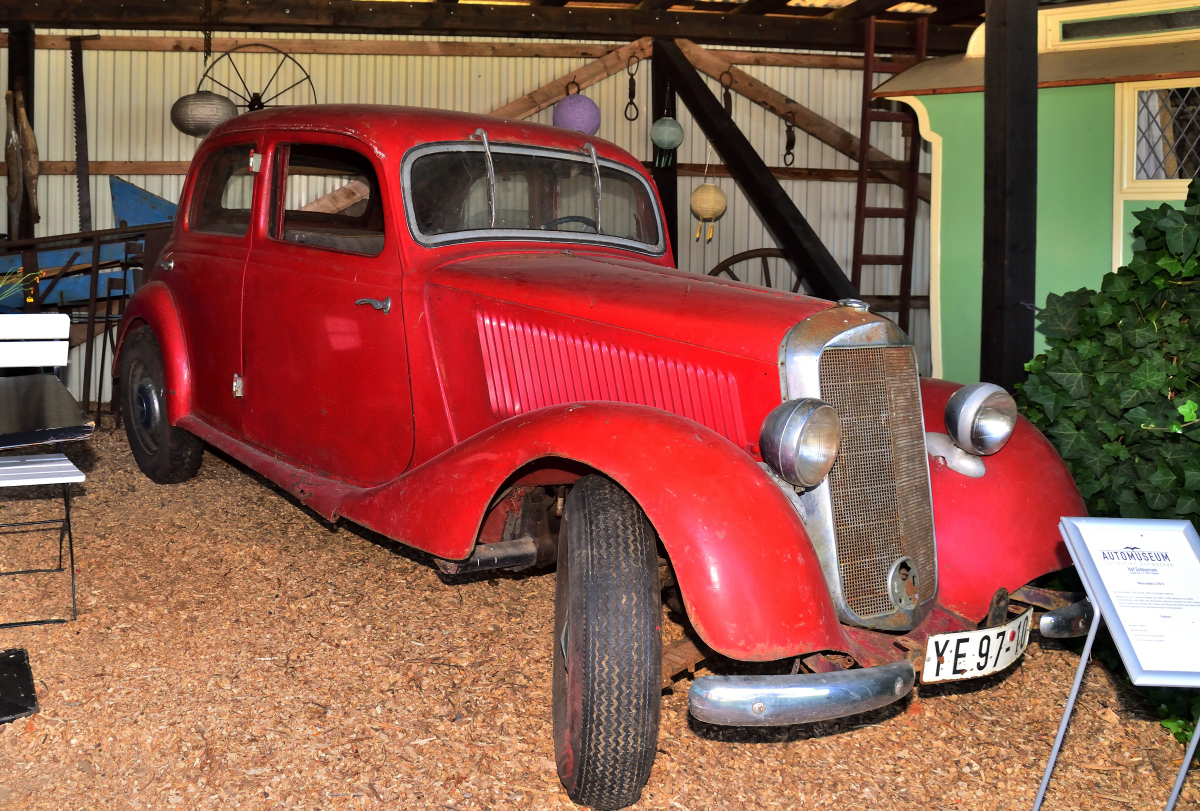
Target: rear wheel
<point>607,647</point>
<point>164,453</point>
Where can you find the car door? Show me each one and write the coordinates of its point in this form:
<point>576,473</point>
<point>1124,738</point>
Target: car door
<point>324,346</point>
<point>204,267</point>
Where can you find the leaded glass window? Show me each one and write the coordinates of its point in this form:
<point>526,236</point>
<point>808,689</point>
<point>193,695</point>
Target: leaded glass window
<point>1168,134</point>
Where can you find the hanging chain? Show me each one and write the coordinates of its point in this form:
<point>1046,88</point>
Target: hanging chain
<point>632,69</point>
<point>727,96</point>
<point>206,22</point>
<point>789,155</point>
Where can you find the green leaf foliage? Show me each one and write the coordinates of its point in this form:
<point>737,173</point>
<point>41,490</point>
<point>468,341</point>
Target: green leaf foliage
<point>1118,389</point>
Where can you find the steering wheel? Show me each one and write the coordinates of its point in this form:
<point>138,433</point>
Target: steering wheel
<point>586,221</point>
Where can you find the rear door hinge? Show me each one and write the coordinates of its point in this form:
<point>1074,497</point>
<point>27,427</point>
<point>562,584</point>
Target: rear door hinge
<point>239,385</point>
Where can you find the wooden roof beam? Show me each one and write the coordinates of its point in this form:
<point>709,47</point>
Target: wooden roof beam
<point>586,76</point>
<point>711,64</point>
<point>468,19</point>
<point>760,6</point>
<point>860,9</point>
<point>950,12</point>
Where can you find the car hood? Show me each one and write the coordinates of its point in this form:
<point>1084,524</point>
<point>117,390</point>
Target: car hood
<point>720,315</point>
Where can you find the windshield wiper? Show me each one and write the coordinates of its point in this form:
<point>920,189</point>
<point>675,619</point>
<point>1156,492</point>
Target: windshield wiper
<point>491,174</point>
<point>596,175</point>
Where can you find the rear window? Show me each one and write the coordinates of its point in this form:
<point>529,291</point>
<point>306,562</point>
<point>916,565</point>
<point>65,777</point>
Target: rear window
<point>224,193</point>
<point>529,194</point>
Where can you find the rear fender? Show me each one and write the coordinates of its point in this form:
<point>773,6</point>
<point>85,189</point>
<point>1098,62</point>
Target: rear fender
<point>750,580</point>
<point>154,306</point>
<point>999,530</point>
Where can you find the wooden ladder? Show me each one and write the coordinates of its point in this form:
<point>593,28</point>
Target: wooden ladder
<point>911,166</point>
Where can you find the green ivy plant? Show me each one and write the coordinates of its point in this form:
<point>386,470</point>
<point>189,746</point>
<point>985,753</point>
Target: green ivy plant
<point>1118,390</point>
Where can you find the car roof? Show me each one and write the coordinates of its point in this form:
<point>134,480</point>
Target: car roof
<point>391,130</point>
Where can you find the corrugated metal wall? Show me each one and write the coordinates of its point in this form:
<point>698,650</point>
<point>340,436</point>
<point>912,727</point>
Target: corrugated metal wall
<point>130,94</point>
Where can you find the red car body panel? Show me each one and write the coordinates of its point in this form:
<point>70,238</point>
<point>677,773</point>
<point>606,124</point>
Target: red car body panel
<point>502,359</point>
<point>1000,530</point>
<point>154,306</point>
<point>750,579</point>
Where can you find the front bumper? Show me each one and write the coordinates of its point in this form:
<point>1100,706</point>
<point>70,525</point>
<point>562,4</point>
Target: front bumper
<point>1063,623</point>
<point>765,701</point>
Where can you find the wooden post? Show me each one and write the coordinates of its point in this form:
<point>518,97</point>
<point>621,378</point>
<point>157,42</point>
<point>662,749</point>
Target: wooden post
<point>1009,190</point>
<point>778,212</point>
<point>20,77</point>
<point>666,178</point>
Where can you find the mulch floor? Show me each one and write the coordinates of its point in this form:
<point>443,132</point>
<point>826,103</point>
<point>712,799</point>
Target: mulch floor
<point>234,651</point>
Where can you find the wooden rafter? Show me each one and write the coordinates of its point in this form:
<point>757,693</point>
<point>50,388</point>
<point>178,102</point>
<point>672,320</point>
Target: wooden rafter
<point>354,47</point>
<point>824,130</point>
<point>468,19</point>
<point>760,6</point>
<point>382,47</point>
<point>860,9</point>
<point>585,76</point>
<point>957,11</point>
<point>653,5</point>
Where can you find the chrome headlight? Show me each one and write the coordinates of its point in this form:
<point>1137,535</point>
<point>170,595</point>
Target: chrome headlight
<point>980,418</point>
<point>799,440</point>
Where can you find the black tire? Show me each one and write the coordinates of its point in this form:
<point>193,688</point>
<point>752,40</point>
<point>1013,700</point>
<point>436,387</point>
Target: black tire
<point>166,454</point>
<point>607,647</point>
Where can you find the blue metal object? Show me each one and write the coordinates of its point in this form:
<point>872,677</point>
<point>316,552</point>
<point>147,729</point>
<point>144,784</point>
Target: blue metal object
<point>133,205</point>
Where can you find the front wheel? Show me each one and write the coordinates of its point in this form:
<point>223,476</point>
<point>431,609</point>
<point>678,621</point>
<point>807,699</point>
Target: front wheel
<point>164,453</point>
<point>607,647</point>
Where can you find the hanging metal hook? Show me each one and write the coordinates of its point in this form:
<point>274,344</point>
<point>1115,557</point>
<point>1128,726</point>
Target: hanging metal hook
<point>631,108</point>
<point>789,156</point>
<point>727,96</point>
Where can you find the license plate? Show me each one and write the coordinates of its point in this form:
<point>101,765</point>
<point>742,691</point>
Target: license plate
<point>972,654</point>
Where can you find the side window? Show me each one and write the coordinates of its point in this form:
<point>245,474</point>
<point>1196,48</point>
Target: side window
<point>327,197</point>
<point>224,193</point>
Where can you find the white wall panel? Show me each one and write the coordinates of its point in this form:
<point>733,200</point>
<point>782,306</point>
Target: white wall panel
<point>129,98</point>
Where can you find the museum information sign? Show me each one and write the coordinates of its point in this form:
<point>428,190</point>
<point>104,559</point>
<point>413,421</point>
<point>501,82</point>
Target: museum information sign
<point>1144,577</point>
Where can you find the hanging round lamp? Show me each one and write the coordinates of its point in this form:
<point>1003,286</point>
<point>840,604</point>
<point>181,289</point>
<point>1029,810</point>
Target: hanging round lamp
<point>198,113</point>
<point>666,135</point>
<point>577,112</point>
<point>708,203</point>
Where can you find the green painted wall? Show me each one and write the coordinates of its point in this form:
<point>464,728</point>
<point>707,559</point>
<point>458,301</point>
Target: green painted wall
<point>1075,192</point>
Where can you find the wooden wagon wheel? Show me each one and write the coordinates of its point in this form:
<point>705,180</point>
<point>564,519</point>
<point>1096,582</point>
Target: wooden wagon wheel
<point>762,254</point>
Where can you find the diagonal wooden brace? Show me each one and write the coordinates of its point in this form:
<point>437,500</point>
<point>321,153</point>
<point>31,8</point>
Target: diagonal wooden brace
<point>711,64</point>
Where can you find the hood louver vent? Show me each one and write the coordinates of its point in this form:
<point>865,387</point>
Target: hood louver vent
<point>530,367</point>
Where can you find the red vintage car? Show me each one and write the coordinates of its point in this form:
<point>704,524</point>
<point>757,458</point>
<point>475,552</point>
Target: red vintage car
<point>468,335</point>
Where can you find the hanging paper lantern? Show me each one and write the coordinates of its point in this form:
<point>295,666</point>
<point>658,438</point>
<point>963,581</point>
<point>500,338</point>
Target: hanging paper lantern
<point>667,133</point>
<point>198,113</point>
<point>577,112</point>
<point>708,204</point>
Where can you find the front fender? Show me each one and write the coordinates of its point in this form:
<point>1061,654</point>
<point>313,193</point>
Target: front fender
<point>154,306</point>
<point>750,580</point>
<point>1002,528</point>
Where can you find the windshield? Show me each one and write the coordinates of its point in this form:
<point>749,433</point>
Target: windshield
<point>451,196</point>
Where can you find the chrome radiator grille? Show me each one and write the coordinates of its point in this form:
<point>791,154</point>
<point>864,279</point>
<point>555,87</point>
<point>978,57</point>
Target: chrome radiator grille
<point>879,484</point>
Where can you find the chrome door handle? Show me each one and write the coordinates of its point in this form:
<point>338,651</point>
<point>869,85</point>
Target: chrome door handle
<point>385,305</point>
<point>166,264</point>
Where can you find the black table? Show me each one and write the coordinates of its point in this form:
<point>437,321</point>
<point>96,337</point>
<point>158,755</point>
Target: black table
<point>38,410</point>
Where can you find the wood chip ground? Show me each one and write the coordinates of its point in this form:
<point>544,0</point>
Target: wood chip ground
<point>234,651</point>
